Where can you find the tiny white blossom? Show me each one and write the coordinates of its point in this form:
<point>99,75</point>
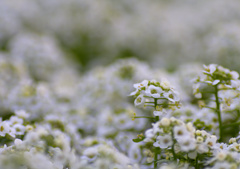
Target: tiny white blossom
<point>91,152</point>
<point>211,141</point>
<point>163,141</point>
<point>234,75</point>
<point>165,122</point>
<point>221,165</point>
<point>22,114</point>
<point>180,132</point>
<point>149,133</point>
<point>4,128</point>
<point>144,83</point>
<point>215,82</point>
<point>19,128</point>
<point>15,120</point>
<point>153,91</point>
<point>172,96</point>
<point>140,100</point>
<point>165,84</point>
<point>134,92</point>
<point>222,69</point>
<point>187,144</point>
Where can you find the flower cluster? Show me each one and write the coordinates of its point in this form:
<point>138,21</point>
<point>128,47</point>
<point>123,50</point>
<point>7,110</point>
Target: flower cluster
<point>149,93</point>
<point>222,88</point>
<point>15,126</point>
<point>178,140</point>
<point>216,75</point>
<point>187,137</point>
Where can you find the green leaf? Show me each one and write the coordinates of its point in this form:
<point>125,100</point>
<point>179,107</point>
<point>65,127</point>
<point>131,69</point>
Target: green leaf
<point>136,140</point>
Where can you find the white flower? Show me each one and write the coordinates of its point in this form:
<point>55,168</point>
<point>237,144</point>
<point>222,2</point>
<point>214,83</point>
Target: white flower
<point>134,92</point>
<point>134,152</point>
<point>190,127</point>
<point>201,148</point>
<point>235,84</point>
<point>180,132</point>
<point>91,152</point>
<point>187,144</point>
<point>4,128</point>
<point>157,128</point>
<point>22,114</point>
<point>122,122</point>
<point>211,141</point>
<point>12,132</point>
<point>19,128</point>
<point>215,82</point>
<point>210,68</point>
<point>149,133</point>
<point>232,140</point>
<point>199,139</point>
<point>198,95</point>
<point>15,120</point>
<point>29,128</point>
<point>235,146</point>
<point>196,90</point>
<point>163,141</point>
<point>140,100</point>
<point>221,165</point>
<point>221,156</point>
<point>222,69</point>
<point>162,113</point>
<point>165,85</point>
<point>165,122</point>
<point>157,113</point>
<point>234,75</point>
<point>144,83</point>
<point>168,166</point>
<point>172,96</point>
<point>18,143</point>
<point>222,146</point>
<point>153,91</point>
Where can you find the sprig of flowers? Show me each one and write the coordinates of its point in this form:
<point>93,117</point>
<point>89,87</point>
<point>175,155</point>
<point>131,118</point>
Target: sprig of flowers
<point>221,80</point>
<point>155,94</point>
<point>162,97</point>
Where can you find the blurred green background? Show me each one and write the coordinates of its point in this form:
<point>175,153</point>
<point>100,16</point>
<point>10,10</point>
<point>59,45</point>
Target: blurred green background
<point>165,34</point>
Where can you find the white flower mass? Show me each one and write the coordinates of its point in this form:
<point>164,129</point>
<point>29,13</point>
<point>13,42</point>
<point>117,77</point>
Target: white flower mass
<point>124,84</point>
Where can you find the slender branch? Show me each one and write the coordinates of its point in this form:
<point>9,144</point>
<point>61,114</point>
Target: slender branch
<point>232,124</point>
<point>208,74</point>
<point>166,104</point>
<point>155,159</point>
<point>147,117</point>
<point>197,165</point>
<point>173,150</point>
<point>218,112</point>
<point>149,105</point>
<point>226,89</point>
<point>156,152</point>
<point>207,92</point>
<point>211,108</point>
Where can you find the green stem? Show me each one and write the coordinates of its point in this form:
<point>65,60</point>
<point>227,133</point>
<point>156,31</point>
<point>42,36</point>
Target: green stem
<point>155,159</point>
<point>147,117</point>
<point>227,89</point>
<point>211,108</point>
<point>232,124</point>
<point>163,104</point>
<point>156,153</point>
<point>197,166</point>
<point>218,112</point>
<point>173,150</point>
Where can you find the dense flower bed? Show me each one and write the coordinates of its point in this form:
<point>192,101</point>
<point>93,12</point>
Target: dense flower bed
<point>107,84</point>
